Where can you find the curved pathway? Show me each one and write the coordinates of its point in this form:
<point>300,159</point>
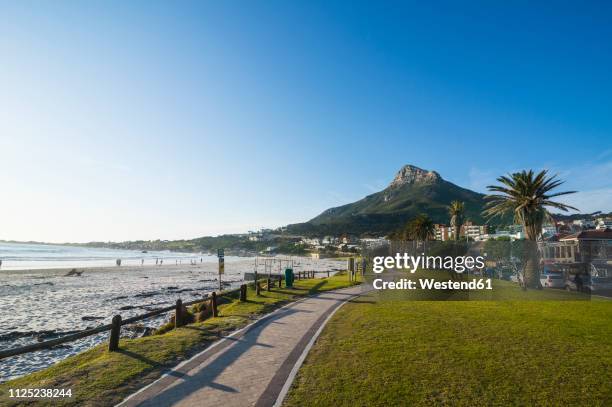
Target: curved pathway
<point>252,367</point>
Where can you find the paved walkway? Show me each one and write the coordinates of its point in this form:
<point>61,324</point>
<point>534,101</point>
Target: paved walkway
<point>250,367</point>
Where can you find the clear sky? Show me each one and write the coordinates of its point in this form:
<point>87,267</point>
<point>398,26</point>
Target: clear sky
<point>176,120</point>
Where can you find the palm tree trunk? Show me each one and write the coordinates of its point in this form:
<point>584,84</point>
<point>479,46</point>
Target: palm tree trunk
<point>531,273</point>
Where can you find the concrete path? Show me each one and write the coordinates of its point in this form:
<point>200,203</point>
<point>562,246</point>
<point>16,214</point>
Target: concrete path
<point>250,367</point>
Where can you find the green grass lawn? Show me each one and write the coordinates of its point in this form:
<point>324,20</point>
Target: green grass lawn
<point>100,378</point>
<point>395,352</point>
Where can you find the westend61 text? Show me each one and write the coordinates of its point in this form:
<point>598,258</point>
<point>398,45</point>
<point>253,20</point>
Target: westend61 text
<point>431,284</point>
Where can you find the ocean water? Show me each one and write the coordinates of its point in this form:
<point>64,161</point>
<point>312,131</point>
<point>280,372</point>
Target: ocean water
<point>24,256</point>
<point>39,301</point>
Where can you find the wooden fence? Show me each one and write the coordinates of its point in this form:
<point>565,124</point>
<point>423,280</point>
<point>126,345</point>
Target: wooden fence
<point>117,322</point>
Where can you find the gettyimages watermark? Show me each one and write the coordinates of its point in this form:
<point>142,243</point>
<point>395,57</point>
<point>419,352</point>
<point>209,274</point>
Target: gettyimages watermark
<point>404,261</point>
<point>491,270</point>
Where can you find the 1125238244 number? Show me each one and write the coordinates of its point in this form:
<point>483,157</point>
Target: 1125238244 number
<point>39,393</point>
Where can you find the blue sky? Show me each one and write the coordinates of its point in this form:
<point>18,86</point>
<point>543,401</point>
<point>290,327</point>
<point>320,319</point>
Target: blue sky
<point>158,120</point>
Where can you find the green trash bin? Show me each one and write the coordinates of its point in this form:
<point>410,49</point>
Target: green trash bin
<point>289,278</point>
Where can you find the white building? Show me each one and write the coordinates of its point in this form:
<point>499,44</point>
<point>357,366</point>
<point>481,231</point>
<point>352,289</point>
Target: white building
<point>374,242</point>
<point>502,233</point>
<point>311,241</point>
<point>329,240</point>
<point>584,223</point>
<point>474,232</point>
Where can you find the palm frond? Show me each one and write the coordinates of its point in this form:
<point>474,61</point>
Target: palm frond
<point>525,195</point>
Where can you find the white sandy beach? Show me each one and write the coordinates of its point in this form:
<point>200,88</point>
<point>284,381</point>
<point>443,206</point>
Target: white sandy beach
<point>41,304</point>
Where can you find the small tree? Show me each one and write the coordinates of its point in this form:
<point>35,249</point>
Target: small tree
<point>420,229</point>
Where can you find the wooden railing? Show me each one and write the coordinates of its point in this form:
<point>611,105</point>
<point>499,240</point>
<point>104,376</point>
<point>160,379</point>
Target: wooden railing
<point>114,326</point>
<point>117,322</point>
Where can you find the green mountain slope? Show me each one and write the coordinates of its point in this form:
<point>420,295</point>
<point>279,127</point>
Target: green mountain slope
<point>412,191</point>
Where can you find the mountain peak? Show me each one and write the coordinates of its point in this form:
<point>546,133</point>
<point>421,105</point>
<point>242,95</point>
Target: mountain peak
<point>409,174</point>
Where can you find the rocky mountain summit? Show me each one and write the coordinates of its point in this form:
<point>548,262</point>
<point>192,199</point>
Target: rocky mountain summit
<point>409,174</point>
<point>412,191</point>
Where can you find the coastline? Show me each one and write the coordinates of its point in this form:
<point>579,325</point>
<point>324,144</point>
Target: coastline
<point>62,271</point>
<point>47,303</point>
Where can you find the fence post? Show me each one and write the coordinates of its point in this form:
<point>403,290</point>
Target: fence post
<point>113,343</point>
<point>257,288</point>
<point>243,294</point>
<point>269,287</point>
<point>213,304</point>
<point>178,313</point>
<point>280,281</point>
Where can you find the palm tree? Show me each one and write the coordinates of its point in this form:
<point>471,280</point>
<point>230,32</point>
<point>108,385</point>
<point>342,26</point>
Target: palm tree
<point>526,196</point>
<point>420,228</point>
<point>455,210</point>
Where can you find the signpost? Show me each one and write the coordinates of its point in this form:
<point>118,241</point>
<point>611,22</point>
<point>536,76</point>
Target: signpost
<point>221,256</point>
<point>350,268</point>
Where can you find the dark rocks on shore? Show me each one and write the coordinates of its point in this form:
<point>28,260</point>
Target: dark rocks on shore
<point>90,318</point>
<point>61,346</point>
<point>147,294</point>
<point>39,335</point>
<point>74,273</point>
<point>11,336</point>
<point>184,290</point>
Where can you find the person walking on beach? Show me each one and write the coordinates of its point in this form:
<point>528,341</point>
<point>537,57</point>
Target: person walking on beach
<point>0,263</point>
<point>161,262</point>
<point>156,261</point>
<point>142,262</point>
